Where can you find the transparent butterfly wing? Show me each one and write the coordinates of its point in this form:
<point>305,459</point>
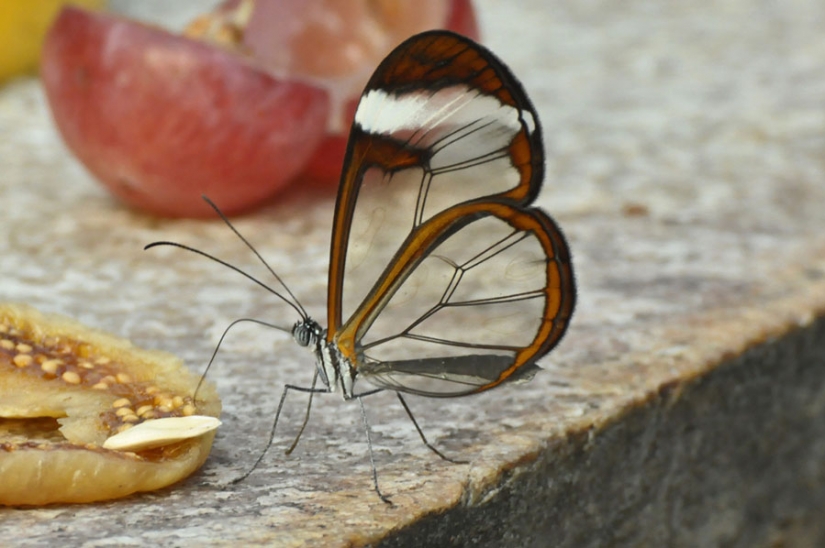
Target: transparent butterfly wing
<point>432,231</point>
<point>478,310</point>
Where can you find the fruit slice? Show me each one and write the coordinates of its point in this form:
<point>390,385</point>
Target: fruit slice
<point>161,119</point>
<point>66,389</point>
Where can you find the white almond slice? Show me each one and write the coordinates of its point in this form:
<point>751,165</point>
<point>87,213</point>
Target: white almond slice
<point>160,432</point>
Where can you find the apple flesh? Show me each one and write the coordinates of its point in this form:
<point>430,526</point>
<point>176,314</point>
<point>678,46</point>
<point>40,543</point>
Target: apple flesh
<point>161,119</point>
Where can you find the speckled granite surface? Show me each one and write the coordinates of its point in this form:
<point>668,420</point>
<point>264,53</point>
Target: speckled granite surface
<point>685,163</point>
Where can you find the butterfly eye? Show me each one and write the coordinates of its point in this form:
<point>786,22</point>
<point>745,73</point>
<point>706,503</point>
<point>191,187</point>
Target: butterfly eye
<point>302,333</point>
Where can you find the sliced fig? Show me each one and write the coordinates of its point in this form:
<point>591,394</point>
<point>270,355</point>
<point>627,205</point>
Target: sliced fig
<point>66,389</point>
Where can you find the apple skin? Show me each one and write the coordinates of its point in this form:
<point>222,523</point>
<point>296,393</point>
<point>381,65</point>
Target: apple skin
<point>162,120</point>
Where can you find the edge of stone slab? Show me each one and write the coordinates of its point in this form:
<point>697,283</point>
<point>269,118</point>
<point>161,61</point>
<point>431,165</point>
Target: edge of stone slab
<point>736,454</point>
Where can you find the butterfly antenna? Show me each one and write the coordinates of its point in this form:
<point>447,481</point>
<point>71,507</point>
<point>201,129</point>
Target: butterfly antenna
<point>220,342</point>
<point>297,308</point>
<point>297,303</point>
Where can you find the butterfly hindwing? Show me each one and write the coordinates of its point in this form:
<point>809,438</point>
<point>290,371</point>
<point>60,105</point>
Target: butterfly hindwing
<point>477,306</point>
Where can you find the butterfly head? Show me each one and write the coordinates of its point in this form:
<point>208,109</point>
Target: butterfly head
<point>307,332</point>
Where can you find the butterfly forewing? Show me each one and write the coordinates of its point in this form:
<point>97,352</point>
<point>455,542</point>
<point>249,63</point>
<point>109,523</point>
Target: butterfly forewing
<point>442,280</point>
<point>440,122</point>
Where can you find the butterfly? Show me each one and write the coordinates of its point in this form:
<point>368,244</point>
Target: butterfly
<point>443,280</point>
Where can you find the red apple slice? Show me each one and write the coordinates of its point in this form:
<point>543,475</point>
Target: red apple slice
<point>161,119</point>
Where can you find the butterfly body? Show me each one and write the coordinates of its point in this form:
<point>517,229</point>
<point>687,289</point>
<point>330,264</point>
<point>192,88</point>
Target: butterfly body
<point>334,370</point>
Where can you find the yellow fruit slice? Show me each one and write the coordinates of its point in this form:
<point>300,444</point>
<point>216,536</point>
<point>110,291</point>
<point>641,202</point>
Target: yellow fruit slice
<point>22,28</point>
<point>66,389</point>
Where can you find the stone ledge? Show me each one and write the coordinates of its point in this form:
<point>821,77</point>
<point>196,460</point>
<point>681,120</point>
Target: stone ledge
<point>685,165</point>
<point>733,458</point>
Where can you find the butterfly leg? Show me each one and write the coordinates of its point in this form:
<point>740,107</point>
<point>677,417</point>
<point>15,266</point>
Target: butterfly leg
<point>311,390</point>
<point>421,434</point>
<point>369,445</point>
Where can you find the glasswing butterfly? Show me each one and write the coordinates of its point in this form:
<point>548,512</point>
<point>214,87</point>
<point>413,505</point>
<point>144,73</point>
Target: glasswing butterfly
<point>443,281</point>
